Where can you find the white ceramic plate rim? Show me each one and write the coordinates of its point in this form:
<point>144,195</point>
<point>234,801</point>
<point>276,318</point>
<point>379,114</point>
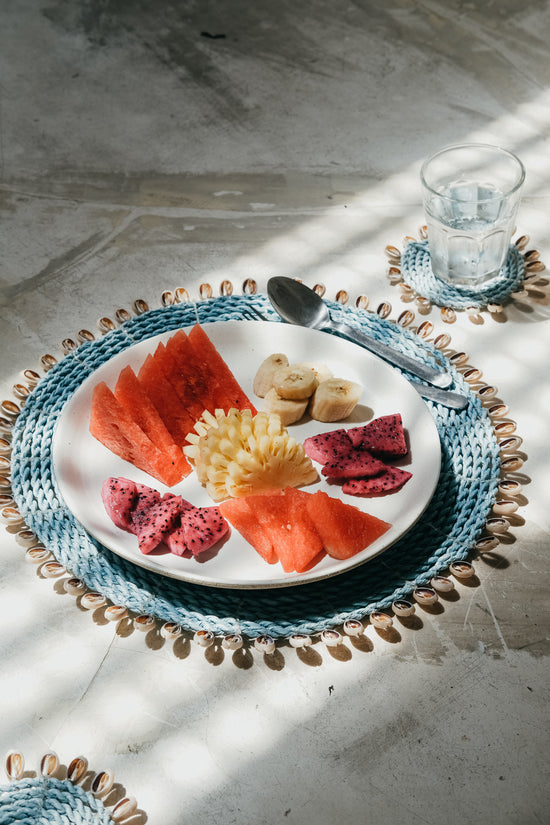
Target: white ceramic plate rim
<point>81,464</point>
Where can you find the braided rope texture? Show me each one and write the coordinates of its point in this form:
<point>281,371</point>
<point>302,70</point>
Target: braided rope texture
<point>445,532</point>
<point>417,271</point>
<point>49,801</point>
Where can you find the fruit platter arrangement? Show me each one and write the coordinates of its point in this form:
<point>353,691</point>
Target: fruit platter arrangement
<point>226,561</point>
<point>205,455</point>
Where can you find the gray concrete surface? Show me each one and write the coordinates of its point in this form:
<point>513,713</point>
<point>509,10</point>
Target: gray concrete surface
<point>153,144</point>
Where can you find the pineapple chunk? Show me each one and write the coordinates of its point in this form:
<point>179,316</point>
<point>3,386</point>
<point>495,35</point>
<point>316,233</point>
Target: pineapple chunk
<point>237,454</point>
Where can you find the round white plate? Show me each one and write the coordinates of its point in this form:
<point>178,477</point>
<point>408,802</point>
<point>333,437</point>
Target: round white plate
<point>82,464</point>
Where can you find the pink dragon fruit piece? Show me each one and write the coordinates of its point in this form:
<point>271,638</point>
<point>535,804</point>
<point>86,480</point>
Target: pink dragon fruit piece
<point>200,528</point>
<point>175,541</point>
<point>146,498</point>
<point>119,496</point>
<point>382,436</point>
<point>356,464</point>
<point>184,505</point>
<point>154,523</point>
<point>327,446</point>
<point>388,482</point>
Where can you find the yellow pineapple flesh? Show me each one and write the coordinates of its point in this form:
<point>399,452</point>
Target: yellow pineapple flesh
<point>237,454</point>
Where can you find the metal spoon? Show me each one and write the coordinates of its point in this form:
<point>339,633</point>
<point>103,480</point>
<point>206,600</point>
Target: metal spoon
<point>298,304</point>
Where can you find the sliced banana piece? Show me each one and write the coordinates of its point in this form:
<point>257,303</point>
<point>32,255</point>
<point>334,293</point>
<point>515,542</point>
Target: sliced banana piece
<point>334,399</point>
<point>295,383</point>
<point>320,370</point>
<point>263,380</point>
<point>289,410</point>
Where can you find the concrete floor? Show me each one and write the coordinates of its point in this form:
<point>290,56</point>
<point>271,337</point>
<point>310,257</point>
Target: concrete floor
<point>152,144</point>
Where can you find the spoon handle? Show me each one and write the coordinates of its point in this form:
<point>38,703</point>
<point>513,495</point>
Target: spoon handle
<point>398,359</point>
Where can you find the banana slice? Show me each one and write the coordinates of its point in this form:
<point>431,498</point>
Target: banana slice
<point>295,383</point>
<point>334,399</point>
<point>263,380</point>
<point>320,370</point>
<point>289,410</point>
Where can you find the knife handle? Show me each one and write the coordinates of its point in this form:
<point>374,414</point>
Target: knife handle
<point>454,400</point>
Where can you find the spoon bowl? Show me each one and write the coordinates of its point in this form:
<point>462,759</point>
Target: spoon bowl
<point>297,304</point>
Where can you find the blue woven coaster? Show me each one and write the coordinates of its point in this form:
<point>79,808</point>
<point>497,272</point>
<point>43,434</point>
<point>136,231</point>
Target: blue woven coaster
<point>445,533</point>
<point>49,801</point>
<point>417,271</point>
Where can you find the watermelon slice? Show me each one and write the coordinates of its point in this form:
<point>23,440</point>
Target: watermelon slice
<point>119,497</point>
<point>391,480</point>
<point>383,436</point>
<point>287,523</point>
<point>178,362</point>
<point>179,422</point>
<point>309,551</point>
<point>355,464</point>
<point>130,393</point>
<point>229,393</point>
<point>344,529</point>
<point>113,426</point>
<point>243,518</point>
<point>328,446</point>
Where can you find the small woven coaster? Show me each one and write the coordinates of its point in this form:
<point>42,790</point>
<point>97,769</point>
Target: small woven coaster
<point>411,271</point>
<point>444,535</point>
<point>417,271</point>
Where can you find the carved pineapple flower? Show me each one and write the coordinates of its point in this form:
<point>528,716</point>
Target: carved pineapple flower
<point>237,454</point>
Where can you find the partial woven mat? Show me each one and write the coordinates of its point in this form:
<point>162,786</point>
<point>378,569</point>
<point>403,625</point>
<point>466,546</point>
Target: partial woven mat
<point>445,533</point>
<point>49,801</point>
<point>416,270</point>
<point>61,796</point>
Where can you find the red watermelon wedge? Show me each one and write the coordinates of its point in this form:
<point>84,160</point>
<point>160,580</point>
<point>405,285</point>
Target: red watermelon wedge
<point>114,427</point>
<point>177,361</point>
<point>130,393</point>
<point>344,529</point>
<point>242,517</point>
<point>176,417</point>
<point>290,528</point>
<point>229,393</point>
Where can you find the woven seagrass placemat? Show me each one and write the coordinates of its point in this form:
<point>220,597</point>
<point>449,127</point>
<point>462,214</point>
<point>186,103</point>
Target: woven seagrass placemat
<point>445,533</point>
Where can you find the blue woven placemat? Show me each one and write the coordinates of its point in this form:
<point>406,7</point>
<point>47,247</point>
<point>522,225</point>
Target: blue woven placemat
<point>417,271</point>
<point>50,801</point>
<point>445,533</point>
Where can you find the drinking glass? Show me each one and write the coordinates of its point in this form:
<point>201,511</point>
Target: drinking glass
<point>471,194</point>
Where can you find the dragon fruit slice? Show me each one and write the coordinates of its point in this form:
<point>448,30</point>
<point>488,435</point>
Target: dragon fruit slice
<point>175,541</point>
<point>327,446</point>
<point>382,436</point>
<point>146,497</point>
<point>119,496</point>
<point>356,464</point>
<point>154,523</point>
<point>388,482</point>
<point>200,528</point>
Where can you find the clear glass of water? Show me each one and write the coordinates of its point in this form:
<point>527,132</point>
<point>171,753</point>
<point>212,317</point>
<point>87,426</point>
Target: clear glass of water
<point>471,196</point>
